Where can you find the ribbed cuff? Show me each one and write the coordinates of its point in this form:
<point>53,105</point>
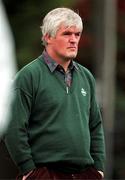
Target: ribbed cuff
<point>99,166</point>
<point>27,166</point>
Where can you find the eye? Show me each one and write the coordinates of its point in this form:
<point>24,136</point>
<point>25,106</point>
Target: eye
<point>78,34</point>
<point>67,33</point>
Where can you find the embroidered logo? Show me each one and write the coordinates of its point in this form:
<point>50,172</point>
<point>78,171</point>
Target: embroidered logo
<point>84,93</point>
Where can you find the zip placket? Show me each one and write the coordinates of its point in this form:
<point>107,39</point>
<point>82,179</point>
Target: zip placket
<point>67,89</point>
<point>68,78</point>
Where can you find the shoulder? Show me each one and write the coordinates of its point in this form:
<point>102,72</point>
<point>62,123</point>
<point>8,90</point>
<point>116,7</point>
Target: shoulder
<point>34,65</point>
<point>31,69</point>
<point>85,72</point>
<point>29,74</point>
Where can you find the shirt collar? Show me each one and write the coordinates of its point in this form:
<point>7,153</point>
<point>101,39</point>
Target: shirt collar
<point>53,65</point>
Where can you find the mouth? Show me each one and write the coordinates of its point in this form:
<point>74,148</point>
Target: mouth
<point>72,48</point>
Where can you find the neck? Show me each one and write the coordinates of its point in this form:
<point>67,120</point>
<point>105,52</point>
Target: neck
<point>60,60</point>
<point>64,64</point>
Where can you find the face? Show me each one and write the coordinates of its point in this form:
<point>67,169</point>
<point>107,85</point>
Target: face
<point>65,44</point>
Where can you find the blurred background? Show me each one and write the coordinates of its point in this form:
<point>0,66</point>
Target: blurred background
<point>101,50</point>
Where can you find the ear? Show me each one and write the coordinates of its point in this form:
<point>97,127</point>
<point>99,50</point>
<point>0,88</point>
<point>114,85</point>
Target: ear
<point>48,38</point>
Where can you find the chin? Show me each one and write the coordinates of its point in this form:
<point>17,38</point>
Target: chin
<point>72,56</point>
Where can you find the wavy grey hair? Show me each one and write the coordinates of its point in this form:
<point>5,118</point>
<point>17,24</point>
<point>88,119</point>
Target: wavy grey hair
<point>58,16</point>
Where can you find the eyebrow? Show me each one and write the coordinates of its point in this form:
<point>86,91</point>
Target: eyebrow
<point>70,32</point>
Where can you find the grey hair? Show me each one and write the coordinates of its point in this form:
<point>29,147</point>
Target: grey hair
<point>56,17</point>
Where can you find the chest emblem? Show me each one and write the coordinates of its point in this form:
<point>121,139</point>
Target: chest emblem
<point>83,92</point>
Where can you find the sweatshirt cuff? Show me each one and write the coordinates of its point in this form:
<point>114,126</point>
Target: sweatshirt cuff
<point>27,166</point>
<point>99,166</point>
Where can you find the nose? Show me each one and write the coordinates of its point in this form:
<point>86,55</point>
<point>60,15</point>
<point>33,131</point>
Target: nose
<point>73,38</point>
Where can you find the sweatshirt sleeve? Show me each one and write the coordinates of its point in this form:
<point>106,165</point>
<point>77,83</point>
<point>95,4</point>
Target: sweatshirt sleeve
<point>97,148</point>
<point>16,137</point>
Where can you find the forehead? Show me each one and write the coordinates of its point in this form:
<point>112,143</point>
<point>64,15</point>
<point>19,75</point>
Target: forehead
<point>73,28</point>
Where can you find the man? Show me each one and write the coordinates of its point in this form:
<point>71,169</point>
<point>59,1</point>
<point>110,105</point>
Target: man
<point>56,127</point>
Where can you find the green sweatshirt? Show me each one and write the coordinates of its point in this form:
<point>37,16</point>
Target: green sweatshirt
<point>53,124</point>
